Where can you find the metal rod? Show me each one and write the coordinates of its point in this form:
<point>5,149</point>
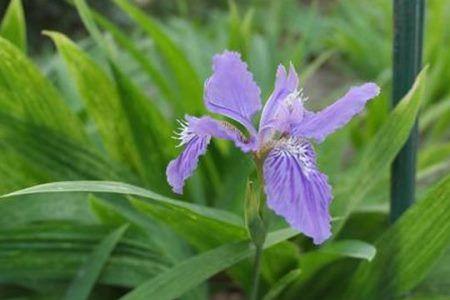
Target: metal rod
<point>408,45</point>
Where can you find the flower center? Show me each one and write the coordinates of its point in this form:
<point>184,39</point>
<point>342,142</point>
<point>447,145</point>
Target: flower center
<point>299,148</point>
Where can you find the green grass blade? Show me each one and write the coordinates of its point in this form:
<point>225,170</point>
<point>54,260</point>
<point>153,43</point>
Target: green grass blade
<point>102,101</point>
<point>145,63</point>
<point>26,94</point>
<point>87,19</point>
<point>407,251</point>
<point>120,212</point>
<point>281,284</point>
<point>128,189</point>
<point>314,261</point>
<point>54,251</point>
<point>186,81</point>
<point>379,154</point>
<point>201,231</point>
<point>89,272</point>
<point>145,120</point>
<point>187,275</point>
<point>55,155</point>
<point>13,27</point>
<point>18,211</point>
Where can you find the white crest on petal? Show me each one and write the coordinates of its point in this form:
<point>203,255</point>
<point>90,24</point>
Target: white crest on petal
<point>300,149</point>
<point>184,134</point>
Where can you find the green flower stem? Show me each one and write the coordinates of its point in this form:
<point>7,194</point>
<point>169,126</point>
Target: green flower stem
<point>256,272</point>
<point>257,224</point>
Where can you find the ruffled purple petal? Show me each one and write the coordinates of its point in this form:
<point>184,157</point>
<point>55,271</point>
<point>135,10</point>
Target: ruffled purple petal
<point>195,135</point>
<point>184,165</point>
<point>280,110</point>
<point>220,129</point>
<point>231,90</point>
<point>296,190</point>
<point>319,125</point>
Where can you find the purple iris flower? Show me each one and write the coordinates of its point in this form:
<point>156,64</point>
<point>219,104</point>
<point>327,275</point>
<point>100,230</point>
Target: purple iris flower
<point>294,186</point>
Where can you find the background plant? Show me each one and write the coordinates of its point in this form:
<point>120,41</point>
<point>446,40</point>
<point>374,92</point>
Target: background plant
<point>103,109</point>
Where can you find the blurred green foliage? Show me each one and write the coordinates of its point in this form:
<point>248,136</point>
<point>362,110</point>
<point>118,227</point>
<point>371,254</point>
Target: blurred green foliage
<point>103,108</point>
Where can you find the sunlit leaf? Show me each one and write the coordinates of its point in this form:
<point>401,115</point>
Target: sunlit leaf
<point>13,26</point>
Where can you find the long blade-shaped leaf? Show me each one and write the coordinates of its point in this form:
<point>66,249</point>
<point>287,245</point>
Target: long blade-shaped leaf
<point>380,153</point>
<point>313,261</point>
<point>128,189</point>
<point>102,100</point>
<point>146,64</point>
<point>145,121</point>
<point>90,271</point>
<point>55,251</point>
<point>407,251</point>
<point>186,79</point>
<point>281,284</point>
<point>190,273</point>
<point>55,155</point>
<point>13,26</point>
<point>26,94</point>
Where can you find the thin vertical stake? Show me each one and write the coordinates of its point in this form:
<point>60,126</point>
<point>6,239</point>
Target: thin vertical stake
<point>408,44</point>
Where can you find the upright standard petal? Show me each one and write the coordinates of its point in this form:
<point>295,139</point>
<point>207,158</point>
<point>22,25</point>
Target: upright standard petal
<point>319,125</point>
<point>296,190</point>
<point>283,104</point>
<point>231,90</point>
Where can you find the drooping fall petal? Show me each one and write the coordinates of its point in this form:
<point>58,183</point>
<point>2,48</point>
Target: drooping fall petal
<point>297,190</point>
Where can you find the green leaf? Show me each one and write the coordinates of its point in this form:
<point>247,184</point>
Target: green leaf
<point>281,284</point>
<point>240,30</point>
<point>89,272</point>
<point>379,154</point>
<point>313,261</point>
<point>201,230</point>
<point>146,64</point>
<point>28,96</point>
<point>186,81</point>
<point>407,251</point>
<point>120,212</point>
<point>185,276</point>
<point>87,18</point>
<point>145,120</point>
<point>13,27</point>
<point>350,248</point>
<point>102,101</point>
<point>18,211</point>
<point>128,189</point>
<point>55,251</point>
<point>56,155</point>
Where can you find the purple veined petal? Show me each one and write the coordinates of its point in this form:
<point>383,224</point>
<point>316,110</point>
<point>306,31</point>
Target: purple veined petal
<point>321,124</point>
<point>184,165</point>
<point>275,115</point>
<point>231,90</point>
<point>195,135</point>
<point>297,190</point>
<point>223,130</point>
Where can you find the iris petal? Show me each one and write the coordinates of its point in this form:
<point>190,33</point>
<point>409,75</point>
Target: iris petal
<point>231,90</point>
<point>195,136</point>
<point>184,165</point>
<point>276,115</point>
<point>297,190</point>
<point>319,125</point>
